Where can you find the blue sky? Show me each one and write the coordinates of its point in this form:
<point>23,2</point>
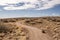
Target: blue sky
<point>29,8</point>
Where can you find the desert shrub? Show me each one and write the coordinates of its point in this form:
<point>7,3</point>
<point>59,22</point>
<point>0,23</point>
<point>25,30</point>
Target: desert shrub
<point>44,18</point>
<point>5,21</point>
<point>39,22</point>
<point>8,20</point>
<point>12,21</point>
<point>4,28</point>
<point>43,31</point>
<point>33,23</point>
<point>27,21</point>
<point>55,20</point>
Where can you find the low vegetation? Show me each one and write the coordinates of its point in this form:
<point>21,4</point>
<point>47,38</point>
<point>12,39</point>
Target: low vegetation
<point>11,32</point>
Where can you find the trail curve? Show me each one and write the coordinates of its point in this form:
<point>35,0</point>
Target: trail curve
<point>35,33</point>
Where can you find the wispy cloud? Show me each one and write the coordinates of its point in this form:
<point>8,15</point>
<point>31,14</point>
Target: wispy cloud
<point>28,4</point>
<point>49,4</point>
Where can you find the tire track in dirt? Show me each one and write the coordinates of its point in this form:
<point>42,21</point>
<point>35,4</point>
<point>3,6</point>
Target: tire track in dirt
<point>35,33</point>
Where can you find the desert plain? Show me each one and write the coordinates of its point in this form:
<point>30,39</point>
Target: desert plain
<point>33,28</point>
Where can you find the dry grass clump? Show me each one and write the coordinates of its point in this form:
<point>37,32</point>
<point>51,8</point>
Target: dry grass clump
<point>11,32</point>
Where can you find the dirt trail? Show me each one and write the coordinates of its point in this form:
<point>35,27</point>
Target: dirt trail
<point>35,33</point>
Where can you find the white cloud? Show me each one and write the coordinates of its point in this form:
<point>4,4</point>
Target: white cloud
<point>49,4</point>
<point>5,2</point>
<point>36,4</point>
<point>20,7</point>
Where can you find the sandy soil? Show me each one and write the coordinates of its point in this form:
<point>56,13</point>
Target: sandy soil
<point>35,33</point>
